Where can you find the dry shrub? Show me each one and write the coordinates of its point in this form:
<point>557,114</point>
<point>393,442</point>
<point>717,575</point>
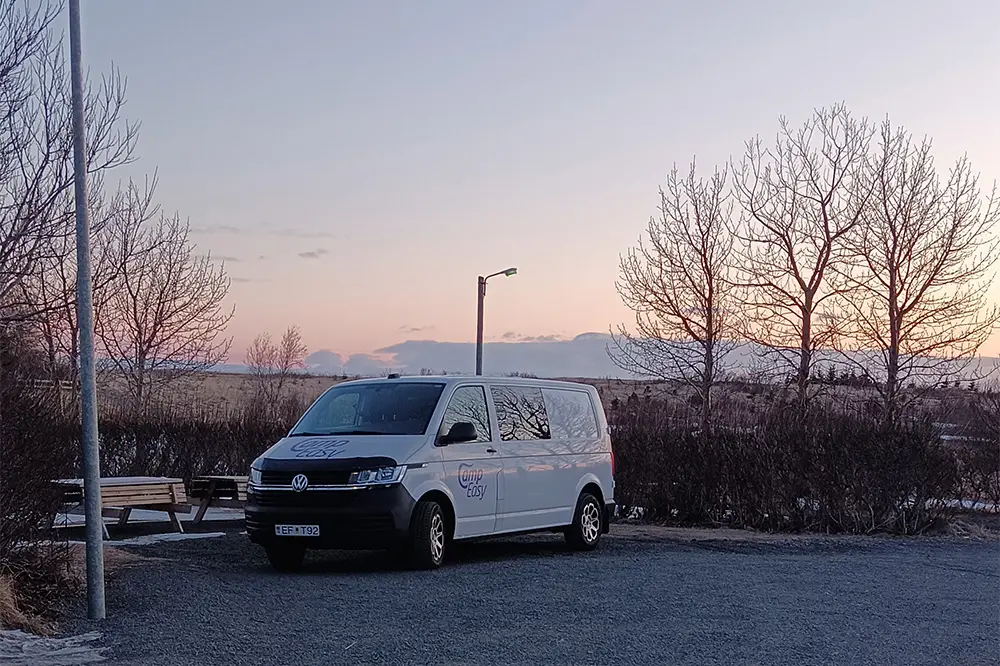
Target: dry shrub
<point>11,615</point>
<point>982,451</point>
<point>185,443</point>
<point>825,471</point>
<point>36,446</point>
<point>34,584</point>
<point>981,470</point>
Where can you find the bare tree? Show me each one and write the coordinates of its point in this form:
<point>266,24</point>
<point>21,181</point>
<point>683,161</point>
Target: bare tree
<point>116,226</point>
<point>678,285</point>
<point>165,311</point>
<point>800,200</point>
<point>271,364</point>
<point>36,174</point>
<point>925,253</point>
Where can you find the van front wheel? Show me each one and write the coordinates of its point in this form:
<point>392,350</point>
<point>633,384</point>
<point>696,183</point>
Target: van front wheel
<point>428,536</point>
<point>586,529</point>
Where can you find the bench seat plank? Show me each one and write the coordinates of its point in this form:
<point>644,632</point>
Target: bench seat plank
<point>122,494</point>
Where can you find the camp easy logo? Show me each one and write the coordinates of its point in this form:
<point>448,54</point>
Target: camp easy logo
<point>318,447</point>
<point>470,479</point>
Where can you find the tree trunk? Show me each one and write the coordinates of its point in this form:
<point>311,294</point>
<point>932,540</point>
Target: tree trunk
<point>139,384</point>
<point>891,411</point>
<point>805,355</point>
<point>707,377</point>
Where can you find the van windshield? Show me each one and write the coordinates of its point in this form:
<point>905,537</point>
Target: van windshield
<point>382,408</point>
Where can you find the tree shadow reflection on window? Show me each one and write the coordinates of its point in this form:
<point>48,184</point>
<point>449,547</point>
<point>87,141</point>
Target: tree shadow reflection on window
<point>521,413</point>
<point>468,405</point>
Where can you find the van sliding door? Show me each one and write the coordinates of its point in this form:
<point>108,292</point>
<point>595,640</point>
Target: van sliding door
<point>533,497</point>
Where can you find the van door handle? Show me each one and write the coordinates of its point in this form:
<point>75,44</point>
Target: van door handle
<point>491,450</point>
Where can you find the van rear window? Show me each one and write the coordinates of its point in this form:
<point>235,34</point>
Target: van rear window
<point>571,414</point>
<point>381,408</point>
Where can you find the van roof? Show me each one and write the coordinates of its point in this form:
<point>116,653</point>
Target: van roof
<point>454,379</point>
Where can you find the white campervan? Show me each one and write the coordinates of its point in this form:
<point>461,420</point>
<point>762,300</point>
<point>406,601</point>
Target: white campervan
<point>418,462</point>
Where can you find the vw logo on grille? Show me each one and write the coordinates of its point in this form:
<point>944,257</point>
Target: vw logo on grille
<point>300,482</point>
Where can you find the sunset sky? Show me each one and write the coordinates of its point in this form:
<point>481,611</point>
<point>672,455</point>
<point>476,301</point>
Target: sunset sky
<point>359,163</point>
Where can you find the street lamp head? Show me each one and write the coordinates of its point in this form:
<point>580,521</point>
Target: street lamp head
<point>479,324</point>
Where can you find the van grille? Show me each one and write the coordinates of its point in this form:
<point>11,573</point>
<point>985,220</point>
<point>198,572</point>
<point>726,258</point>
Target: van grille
<point>307,499</point>
<point>346,524</point>
<point>317,478</point>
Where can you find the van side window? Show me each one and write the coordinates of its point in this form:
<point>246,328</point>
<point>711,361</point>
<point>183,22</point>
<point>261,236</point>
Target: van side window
<point>571,414</point>
<point>521,413</point>
<point>468,404</point>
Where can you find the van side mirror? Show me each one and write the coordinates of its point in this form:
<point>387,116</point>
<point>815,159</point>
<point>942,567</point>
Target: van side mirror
<point>462,431</point>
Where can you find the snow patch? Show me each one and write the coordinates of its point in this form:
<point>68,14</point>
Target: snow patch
<point>20,649</point>
<point>157,538</point>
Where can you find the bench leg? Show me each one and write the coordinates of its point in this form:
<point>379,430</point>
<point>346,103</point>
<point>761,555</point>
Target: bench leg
<point>205,501</point>
<point>123,518</point>
<point>176,522</point>
<point>104,529</point>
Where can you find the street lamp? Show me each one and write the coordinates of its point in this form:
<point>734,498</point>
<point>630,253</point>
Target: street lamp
<point>85,321</point>
<point>479,325</point>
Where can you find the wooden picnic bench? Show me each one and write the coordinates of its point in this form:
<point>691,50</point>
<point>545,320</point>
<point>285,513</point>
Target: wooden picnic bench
<point>225,491</point>
<point>121,494</point>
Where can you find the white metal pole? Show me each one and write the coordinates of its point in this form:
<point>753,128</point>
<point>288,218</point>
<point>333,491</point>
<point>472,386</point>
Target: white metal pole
<point>479,325</point>
<point>85,318</point>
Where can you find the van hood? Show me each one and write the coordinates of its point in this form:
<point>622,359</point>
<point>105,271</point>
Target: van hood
<point>343,448</point>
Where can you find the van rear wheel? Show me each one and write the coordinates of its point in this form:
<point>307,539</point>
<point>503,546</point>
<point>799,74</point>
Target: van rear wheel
<point>586,529</point>
<point>285,557</point>
<point>428,536</point>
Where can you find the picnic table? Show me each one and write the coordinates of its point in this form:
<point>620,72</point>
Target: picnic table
<point>121,494</point>
<point>225,491</point>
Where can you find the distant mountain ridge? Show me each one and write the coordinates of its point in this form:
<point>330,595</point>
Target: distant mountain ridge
<point>584,356</point>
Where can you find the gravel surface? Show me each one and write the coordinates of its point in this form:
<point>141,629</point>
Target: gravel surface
<point>637,599</point>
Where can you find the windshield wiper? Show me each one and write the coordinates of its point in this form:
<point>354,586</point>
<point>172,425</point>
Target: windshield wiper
<point>311,434</point>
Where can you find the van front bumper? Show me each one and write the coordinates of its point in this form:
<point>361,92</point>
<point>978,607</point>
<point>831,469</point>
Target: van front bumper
<point>366,518</point>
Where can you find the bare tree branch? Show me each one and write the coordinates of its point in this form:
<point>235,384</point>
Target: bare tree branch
<point>116,226</point>
<point>36,174</point>
<point>677,283</point>
<point>800,200</point>
<point>164,312</point>
<point>271,365</point>
<point>923,262</point>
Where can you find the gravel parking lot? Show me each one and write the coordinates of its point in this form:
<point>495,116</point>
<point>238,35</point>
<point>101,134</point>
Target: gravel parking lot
<point>643,597</point>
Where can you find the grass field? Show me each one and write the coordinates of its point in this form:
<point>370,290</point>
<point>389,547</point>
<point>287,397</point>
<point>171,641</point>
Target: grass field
<point>216,390</point>
<point>222,392</point>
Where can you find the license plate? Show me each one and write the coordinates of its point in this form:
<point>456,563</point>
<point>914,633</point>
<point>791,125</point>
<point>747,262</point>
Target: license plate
<point>296,530</point>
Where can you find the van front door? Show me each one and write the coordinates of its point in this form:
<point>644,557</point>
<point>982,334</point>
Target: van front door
<point>472,469</point>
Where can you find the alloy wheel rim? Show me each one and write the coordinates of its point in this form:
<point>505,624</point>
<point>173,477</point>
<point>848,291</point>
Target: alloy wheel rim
<point>590,522</point>
<point>437,537</point>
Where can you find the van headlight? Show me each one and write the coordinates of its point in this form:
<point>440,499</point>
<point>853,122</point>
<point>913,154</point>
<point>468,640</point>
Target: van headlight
<point>371,477</point>
<point>255,476</point>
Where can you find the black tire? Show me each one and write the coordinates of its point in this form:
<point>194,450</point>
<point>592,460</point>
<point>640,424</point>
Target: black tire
<point>425,547</point>
<point>285,557</point>
<point>585,532</point>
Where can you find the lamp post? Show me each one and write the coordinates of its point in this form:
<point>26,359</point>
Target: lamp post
<point>85,319</point>
<point>479,324</point>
